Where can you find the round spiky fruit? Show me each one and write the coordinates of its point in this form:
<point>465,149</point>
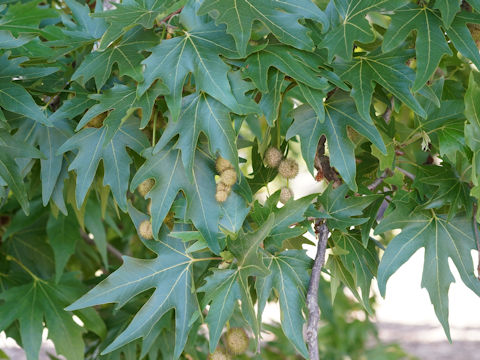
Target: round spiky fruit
<point>288,168</point>
<point>285,195</point>
<point>237,341</point>
<point>223,187</point>
<point>229,177</point>
<point>145,229</point>
<point>146,186</point>
<point>273,157</point>
<point>221,196</point>
<point>223,164</point>
<point>219,354</point>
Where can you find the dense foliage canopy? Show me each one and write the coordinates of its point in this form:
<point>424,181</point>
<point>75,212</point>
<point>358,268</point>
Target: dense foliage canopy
<point>170,131</point>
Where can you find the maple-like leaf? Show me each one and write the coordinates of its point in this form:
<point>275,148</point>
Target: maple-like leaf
<point>386,69</point>
<point>292,62</point>
<point>348,24</point>
<point>279,17</point>
<point>430,44</point>
<point>442,240</point>
<point>84,31</point>
<point>340,112</point>
<point>92,148</point>
<point>353,264</point>
<point>120,102</point>
<point>289,276</point>
<point>39,301</point>
<point>472,129</point>
<point>126,54</point>
<point>341,211</point>
<point>197,52</point>
<point>170,274</point>
<point>13,96</point>
<point>448,9</point>
<point>12,149</point>
<point>201,113</point>
<point>130,13</point>
<point>199,190</point>
<point>225,287</point>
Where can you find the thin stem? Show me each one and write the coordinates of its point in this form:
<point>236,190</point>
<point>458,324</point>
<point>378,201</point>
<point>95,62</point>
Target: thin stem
<point>206,259</point>
<point>406,173</point>
<point>321,230</point>
<point>386,173</point>
<point>112,250</point>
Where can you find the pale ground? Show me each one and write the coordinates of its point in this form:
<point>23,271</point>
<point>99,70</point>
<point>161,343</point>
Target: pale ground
<point>405,316</point>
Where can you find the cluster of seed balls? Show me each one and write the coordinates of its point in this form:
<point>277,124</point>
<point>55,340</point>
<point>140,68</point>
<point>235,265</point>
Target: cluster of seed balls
<point>237,343</point>
<point>228,177</point>
<point>288,168</point>
<point>145,228</point>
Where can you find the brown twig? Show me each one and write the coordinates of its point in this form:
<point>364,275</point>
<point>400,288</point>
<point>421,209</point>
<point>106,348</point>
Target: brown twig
<point>386,173</point>
<point>321,230</point>
<point>112,250</point>
<point>322,164</point>
<point>477,237</point>
<point>406,173</point>
<point>169,16</point>
<point>388,112</point>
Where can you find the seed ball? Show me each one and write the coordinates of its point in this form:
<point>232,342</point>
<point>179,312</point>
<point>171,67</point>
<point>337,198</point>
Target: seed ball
<point>221,196</point>
<point>223,187</point>
<point>273,157</point>
<point>146,230</point>
<point>237,341</point>
<point>288,168</point>
<point>223,164</point>
<point>219,354</point>
<point>229,177</point>
<point>146,186</point>
<point>285,195</point>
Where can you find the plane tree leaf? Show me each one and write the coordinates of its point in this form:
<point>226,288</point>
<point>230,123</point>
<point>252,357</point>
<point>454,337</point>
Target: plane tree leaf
<point>202,208</point>
<point>201,113</point>
<point>91,146</point>
<point>430,42</point>
<point>225,287</point>
<point>349,24</point>
<point>126,55</point>
<point>289,277</point>
<point>442,240</point>
<point>280,18</point>
<point>340,112</point>
<point>120,102</point>
<point>197,53</point>
<point>386,69</point>
<point>169,273</point>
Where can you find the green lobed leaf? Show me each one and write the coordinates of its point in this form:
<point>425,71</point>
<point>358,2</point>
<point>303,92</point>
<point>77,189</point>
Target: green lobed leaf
<point>442,239</point>
<point>196,52</point>
<point>289,277</point>
<point>91,146</point>
<point>280,18</point>
<point>340,112</point>
<point>170,273</point>
<point>224,287</point>
<point>201,113</point>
